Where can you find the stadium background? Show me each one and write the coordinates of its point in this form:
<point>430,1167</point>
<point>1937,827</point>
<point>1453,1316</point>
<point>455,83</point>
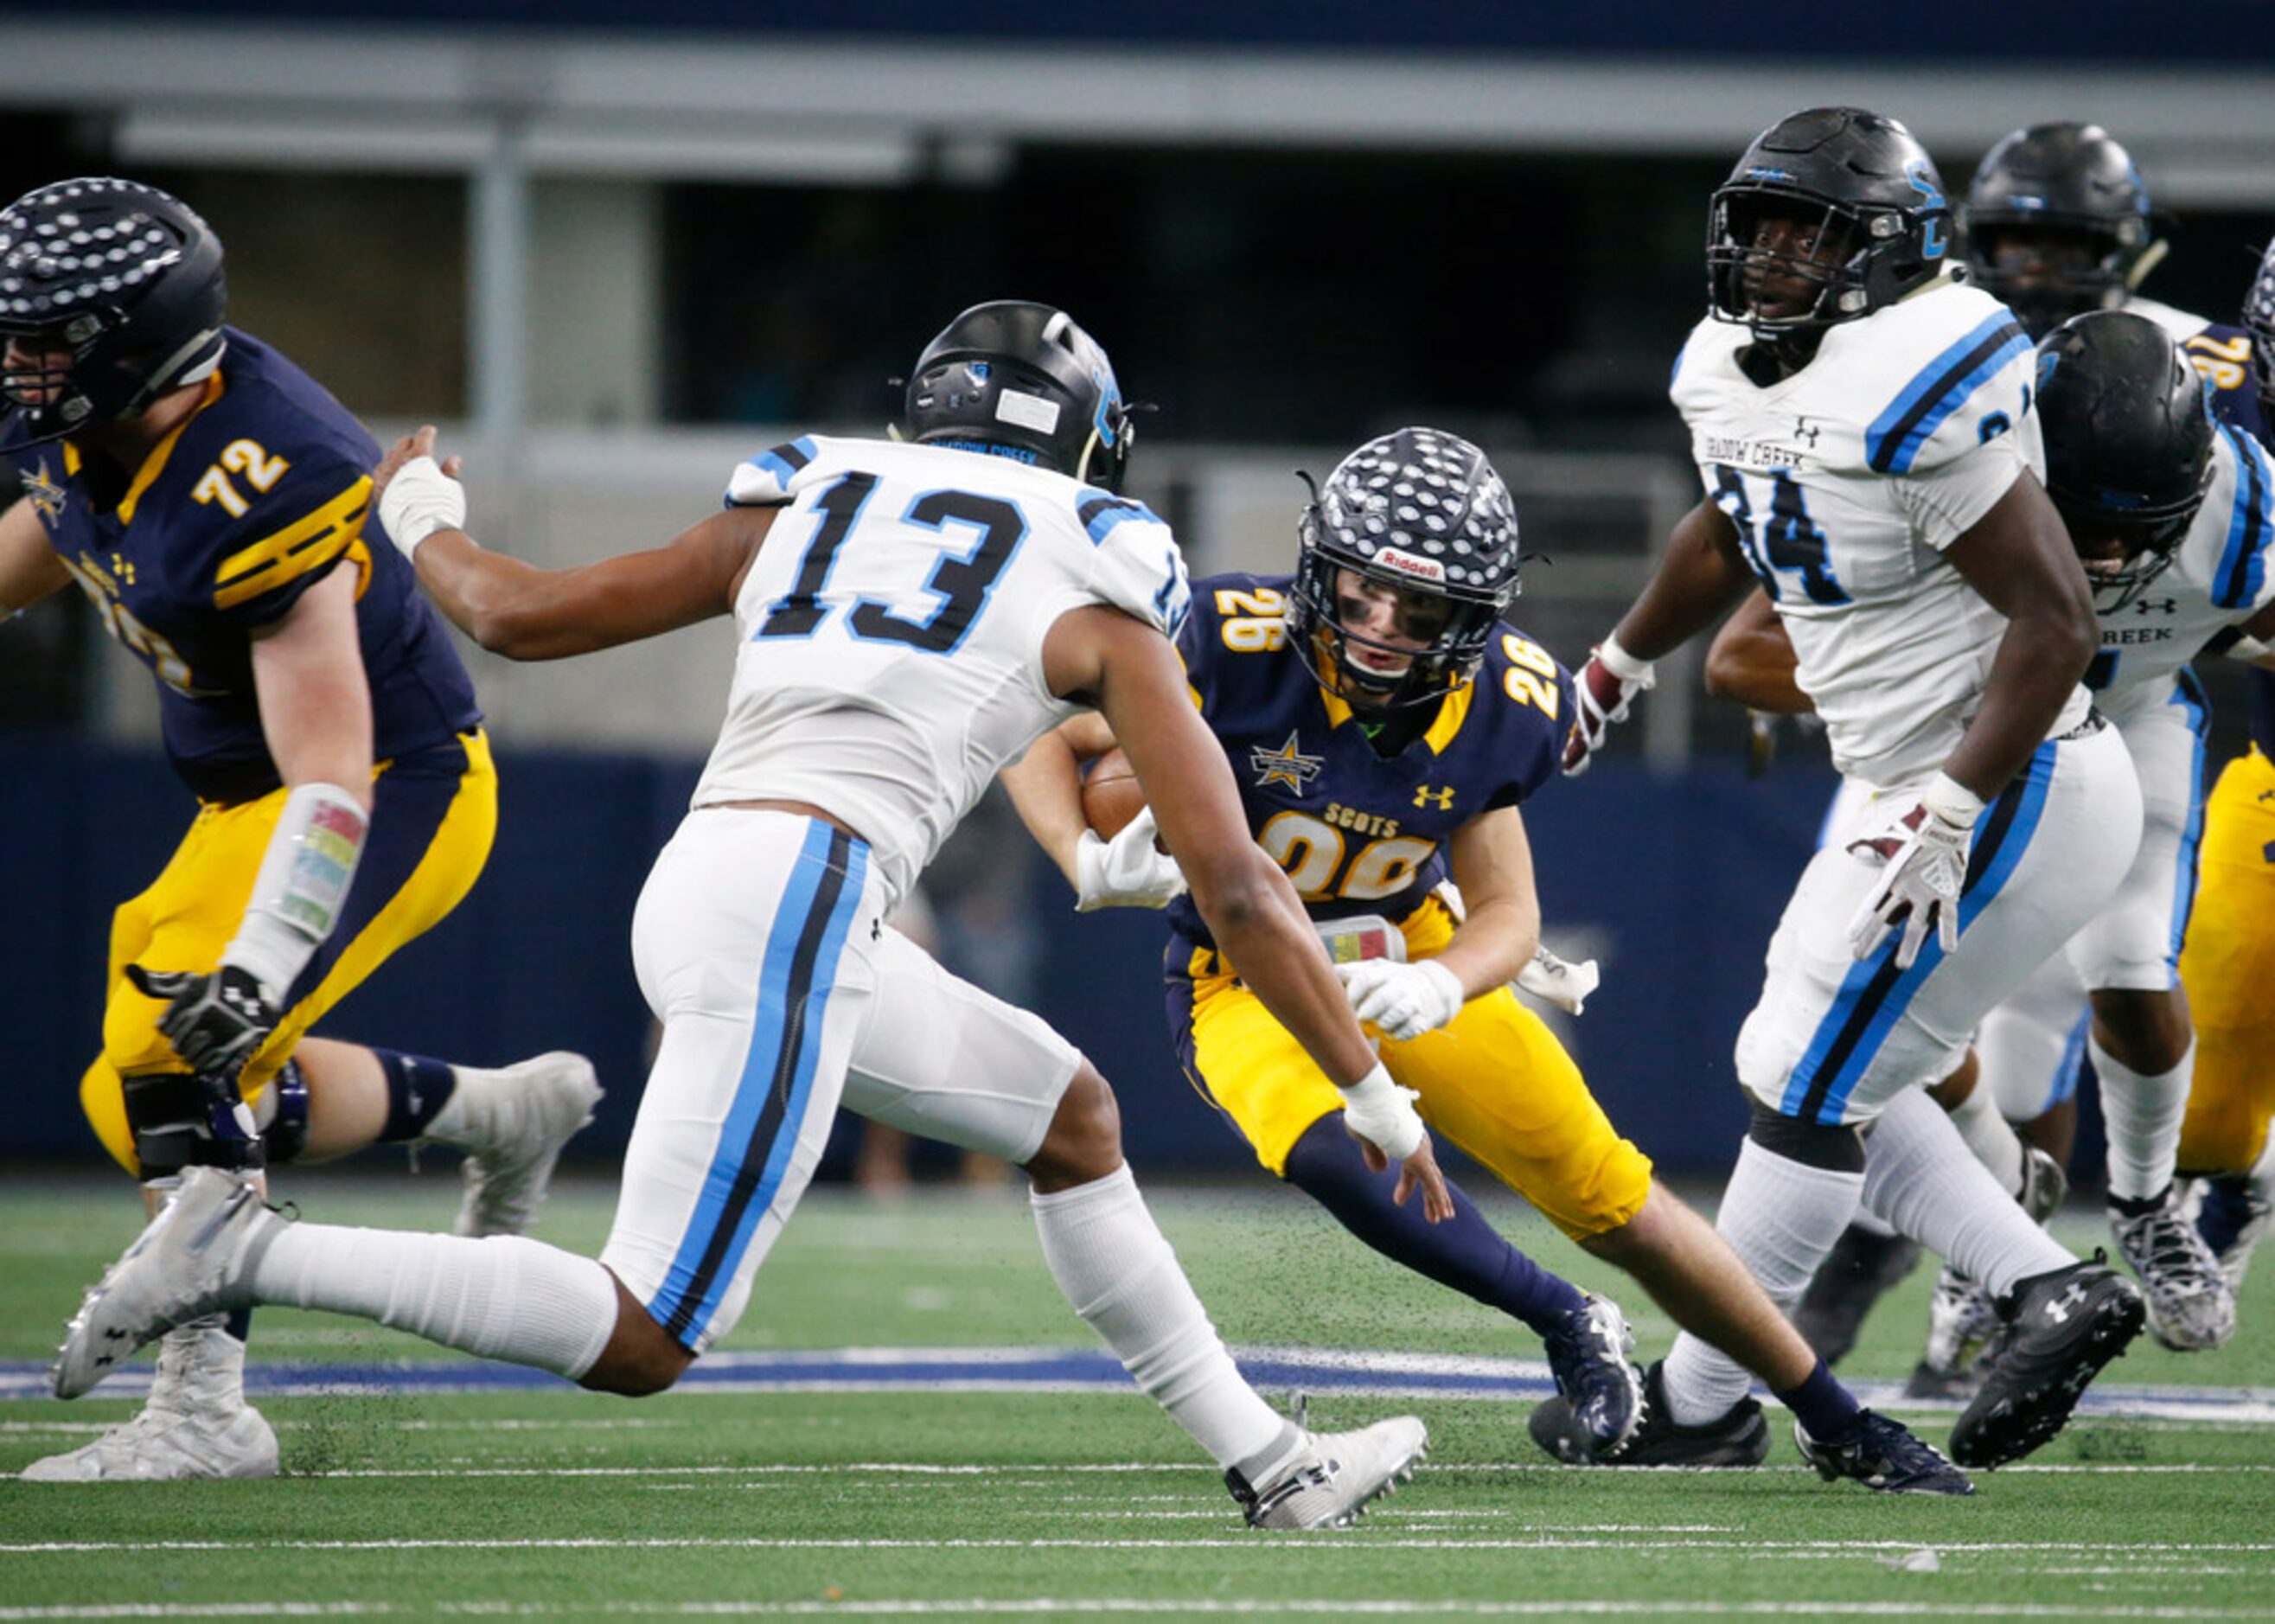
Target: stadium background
<point>613,253</point>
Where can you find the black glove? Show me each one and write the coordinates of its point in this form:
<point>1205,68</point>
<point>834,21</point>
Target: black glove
<point>215,1019</point>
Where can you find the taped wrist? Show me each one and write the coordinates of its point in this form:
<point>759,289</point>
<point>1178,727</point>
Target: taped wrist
<point>1381,1112</point>
<point>1625,666</point>
<point>1951,800</point>
<point>419,500</point>
<point>303,882</point>
<point>180,1119</point>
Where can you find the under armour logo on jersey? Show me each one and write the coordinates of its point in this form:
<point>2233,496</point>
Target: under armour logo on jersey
<point>45,496</point>
<point>1806,432</point>
<point>1442,799</point>
<point>2157,605</point>
<point>1287,765</point>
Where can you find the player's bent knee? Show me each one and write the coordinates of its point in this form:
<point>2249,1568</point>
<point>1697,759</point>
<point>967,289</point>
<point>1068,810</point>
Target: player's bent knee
<point>1838,1148</point>
<point>179,1121</point>
<point>1084,1141</point>
<point>641,1359</point>
<point>102,1097</point>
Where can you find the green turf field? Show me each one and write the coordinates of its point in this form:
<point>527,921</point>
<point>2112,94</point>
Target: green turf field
<point>555,1503</point>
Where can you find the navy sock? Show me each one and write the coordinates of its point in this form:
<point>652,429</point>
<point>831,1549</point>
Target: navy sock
<point>1464,1253</point>
<point>1822,1405</point>
<point>417,1089</point>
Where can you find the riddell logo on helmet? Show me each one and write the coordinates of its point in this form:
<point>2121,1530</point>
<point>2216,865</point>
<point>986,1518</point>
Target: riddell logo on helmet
<point>1408,564</point>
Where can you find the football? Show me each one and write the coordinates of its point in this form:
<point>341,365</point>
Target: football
<point>1110,795</point>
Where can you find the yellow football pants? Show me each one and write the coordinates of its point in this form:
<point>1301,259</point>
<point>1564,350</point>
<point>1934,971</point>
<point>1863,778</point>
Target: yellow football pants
<point>433,816</point>
<point>1494,1081</point>
<point>2229,966</point>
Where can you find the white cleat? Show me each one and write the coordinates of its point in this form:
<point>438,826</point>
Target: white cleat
<point>517,1121</point>
<point>185,1266</point>
<point>2191,1303</point>
<point>169,1446</point>
<point>1329,1481</point>
<point>194,1424</point>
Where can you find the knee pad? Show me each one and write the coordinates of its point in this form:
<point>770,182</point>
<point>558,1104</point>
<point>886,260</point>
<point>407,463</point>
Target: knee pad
<point>173,1115</point>
<point>1837,1149</point>
<point>282,1115</point>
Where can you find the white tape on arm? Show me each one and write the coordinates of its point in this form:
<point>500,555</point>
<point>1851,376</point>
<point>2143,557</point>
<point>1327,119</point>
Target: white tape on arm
<point>1382,1114</point>
<point>419,501</point>
<point>303,881</point>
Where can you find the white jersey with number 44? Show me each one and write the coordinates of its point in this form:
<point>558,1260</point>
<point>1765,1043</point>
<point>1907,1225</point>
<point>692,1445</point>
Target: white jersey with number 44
<point>893,624</point>
<point>1846,481</point>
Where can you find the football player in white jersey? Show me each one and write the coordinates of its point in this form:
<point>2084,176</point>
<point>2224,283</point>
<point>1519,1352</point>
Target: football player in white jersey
<point>2174,517</point>
<point>1860,419</point>
<point>2059,223</point>
<point>912,616</point>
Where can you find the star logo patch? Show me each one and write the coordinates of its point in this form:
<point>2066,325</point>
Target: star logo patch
<point>45,496</point>
<point>1286,766</point>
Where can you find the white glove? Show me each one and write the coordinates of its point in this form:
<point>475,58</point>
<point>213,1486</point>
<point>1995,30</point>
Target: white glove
<point>1125,871</point>
<point>1566,984</point>
<point>419,501</point>
<point>1603,688</point>
<point>1382,1114</point>
<point>1925,855</point>
<point>1405,1001</point>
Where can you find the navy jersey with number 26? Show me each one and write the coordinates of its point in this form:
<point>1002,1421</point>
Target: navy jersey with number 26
<point>1356,832</point>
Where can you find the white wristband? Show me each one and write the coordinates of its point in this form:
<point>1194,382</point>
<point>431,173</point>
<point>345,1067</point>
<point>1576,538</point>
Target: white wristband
<point>304,878</point>
<point>1625,666</point>
<point>1951,800</point>
<point>1382,1114</point>
<point>419,501</point>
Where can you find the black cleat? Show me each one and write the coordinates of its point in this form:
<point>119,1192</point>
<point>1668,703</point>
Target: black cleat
<point>1884,1456</point>
<point>1858,1271</point>
<point>1588,1355</point>
<point>1740,1439</point>
<point>2062,1327</point>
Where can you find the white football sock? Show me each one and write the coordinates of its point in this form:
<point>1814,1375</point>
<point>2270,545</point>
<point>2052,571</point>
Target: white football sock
<point>1118,1271</point>
<point>2143,1116</point>
<point>1921,1177</point>
<point>505,1297</point>
<point>1989,1137</point>
<point>1782,1217</point>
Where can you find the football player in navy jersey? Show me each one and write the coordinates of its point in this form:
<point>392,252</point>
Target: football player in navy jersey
<point>1386,726</point>
<point>212,501</point>
<point>2228,961</point>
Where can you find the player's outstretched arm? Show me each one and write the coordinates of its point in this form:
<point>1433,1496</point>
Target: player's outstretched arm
<point>1751,660</point>
<point>1701,574</point>
<point>1491,860</point>
<point>2019,558</point>
<point>1130,672</point>
<point>29,568</point>
<point>526,613</point>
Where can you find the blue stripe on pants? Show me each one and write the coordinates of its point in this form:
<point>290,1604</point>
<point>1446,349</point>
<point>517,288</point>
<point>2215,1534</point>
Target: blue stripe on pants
<point>760,1133</point>
<point>1874,994</point>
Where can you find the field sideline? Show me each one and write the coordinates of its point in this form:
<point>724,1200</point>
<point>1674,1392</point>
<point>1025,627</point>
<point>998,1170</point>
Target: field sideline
<point>909,1422</point>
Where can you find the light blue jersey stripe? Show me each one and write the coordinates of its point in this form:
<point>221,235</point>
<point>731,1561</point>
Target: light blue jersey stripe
<point>1893,442</point>
<point>2242,573</point>
<point>2190,699</point>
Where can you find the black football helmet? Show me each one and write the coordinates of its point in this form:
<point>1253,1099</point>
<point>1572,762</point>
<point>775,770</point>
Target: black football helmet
<point>2259,321</point>
<point>2074,187</point>
<point>1422,510</point>
<point>1022,377</point>
<point>1869,194</point>
<point>2128,442</point>
<point>117,287</point>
